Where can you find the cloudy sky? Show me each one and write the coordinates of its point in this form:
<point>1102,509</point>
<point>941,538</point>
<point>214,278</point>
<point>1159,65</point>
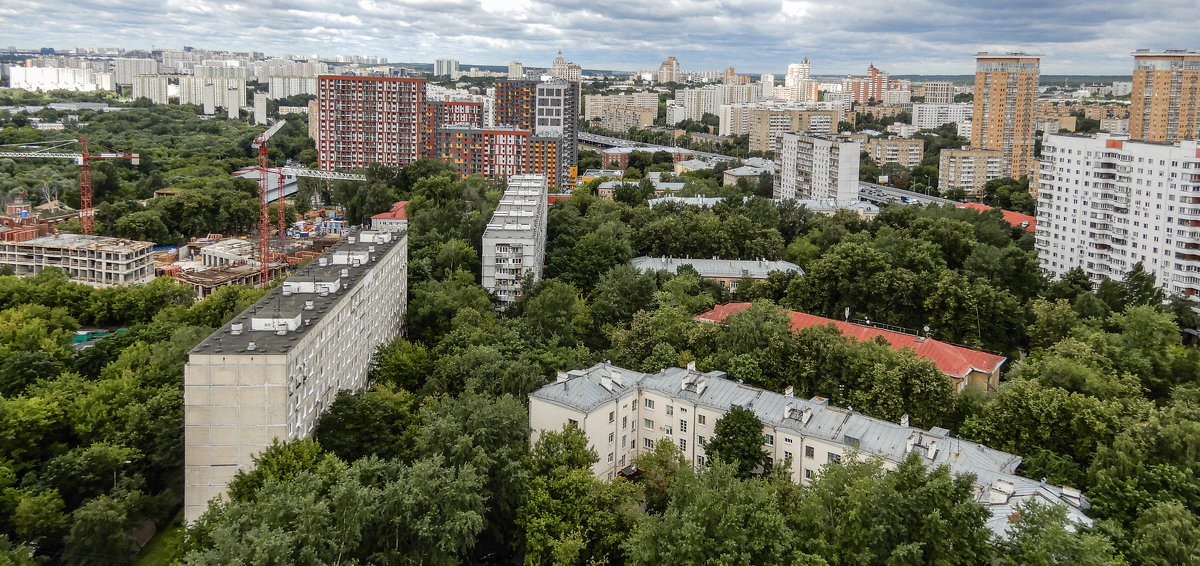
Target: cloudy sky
<point>754,36</point>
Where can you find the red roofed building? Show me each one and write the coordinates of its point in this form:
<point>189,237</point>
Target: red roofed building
<point>393,220</point>
<point>964,366</point>
<point>1018,220</point>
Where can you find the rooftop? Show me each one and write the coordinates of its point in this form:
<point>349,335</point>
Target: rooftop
<point>952,360</point>
<point>717,268</point>
<point>396,213</point>
<point>274,323</point>
<point>98,243</point>
<point>1018,220</point>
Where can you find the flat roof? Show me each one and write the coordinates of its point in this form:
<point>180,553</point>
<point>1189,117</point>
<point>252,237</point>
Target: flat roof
<point>725,268</point>
<point>79,241</point>
<point>282,303</point>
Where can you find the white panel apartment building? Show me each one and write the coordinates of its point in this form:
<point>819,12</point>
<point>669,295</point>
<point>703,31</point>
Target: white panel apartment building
<point>1106,203</point>
<point>270,372</point>
<point>624,413</point>
<point>817,167</point>
<point>931,116</point>
<point>514,242</point>
<point>92,260</point>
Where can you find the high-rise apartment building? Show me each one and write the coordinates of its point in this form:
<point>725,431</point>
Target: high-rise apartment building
<point>797,72</point>
<point>1107,203</point>
<point>561,69</point>
<point>1166,96</point>
<point>1002,119</point>
<point>152,87</point>
<point>364,120</point>
<point>446,67</point>
<point>514,241</point>
<point>875,85</point>
<point>270,372</point>
<point>766,124</point>
<point>929,116</point>
<point>516,103</point>
<point>124,69</point>
<point>669,72</point>
<point>494,153</point>
<point>817,167</point>
<point>907,153</point>
<point>939,92</point>
<point>516,70</point>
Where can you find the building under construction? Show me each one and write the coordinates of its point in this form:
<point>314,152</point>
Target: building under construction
<point>93,260</point>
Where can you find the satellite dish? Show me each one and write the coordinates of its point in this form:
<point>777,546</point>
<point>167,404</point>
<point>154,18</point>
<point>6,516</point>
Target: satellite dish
<point>926,329</point>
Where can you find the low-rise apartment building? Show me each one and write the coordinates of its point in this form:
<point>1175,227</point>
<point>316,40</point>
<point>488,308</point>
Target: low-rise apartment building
<point>92,260</point>
<point>728,272</point>
<point>969,168</point>
<point>905,152</point>
<point>624,413</point>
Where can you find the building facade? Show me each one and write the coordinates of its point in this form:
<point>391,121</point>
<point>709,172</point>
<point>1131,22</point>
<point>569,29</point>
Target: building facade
<point>1165,99</point>
<point>929,116</point>
<point>514,241</point>
<point>1002,118</point>
<point>624,413</point>
<point>270,372</point>
<point>668,71</point>
<point>766,124</point>
<point>939,92</point>
<point>817,167</point>
<point>907,153</point>
<point>493,153</point>
<point>969,168</point>
<point>1107,203</point>
<point>365,120</point>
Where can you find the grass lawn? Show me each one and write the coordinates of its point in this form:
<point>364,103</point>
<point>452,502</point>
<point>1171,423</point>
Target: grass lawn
<point>164,548</point>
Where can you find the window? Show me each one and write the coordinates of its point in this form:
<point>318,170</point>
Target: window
<point>624,423</point>
<point>807,474</point>
<point>635,404</point>
<point>611,435</point>
<point>649,424</point>
<point>648,443</point>
<point>612,416</point>
<point>682,425</point>
<point>633,444</point>
<point>700,419</point>
<point>834,458</point>
<point>624,438</point>
<point>683,444</point>
<point>610,457</point>
<point>699,460</point>
<point>769,439</point>
<point>667,430</point>
<point>670,410</point>
<point>770,461</point>
<point>787,440</point>
<point>787,455</point>
<point>572,422</point>
<point>808,451</point>
<point>701,441</point>
<point>649,404</point>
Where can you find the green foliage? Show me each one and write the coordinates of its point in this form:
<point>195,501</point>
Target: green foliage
<point>567,449</point>
<point>1039,537</point>
<point>100,534</point>
<point>378,422</point>
<point>737,440</point>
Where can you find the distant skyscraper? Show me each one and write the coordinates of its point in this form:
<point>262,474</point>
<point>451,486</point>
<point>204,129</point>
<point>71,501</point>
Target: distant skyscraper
<point>446,67</point>
<point>1005,89</point>
<point>1166,95</point>
<point>798,72</point>
<point>669,71</point>
<point>516,70</point>
<point>561,69</point>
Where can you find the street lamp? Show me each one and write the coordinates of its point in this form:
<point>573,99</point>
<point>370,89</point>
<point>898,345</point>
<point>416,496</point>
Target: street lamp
<point>125,463</point>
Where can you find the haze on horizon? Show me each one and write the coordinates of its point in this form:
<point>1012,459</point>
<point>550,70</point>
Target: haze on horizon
<point>754,36</point>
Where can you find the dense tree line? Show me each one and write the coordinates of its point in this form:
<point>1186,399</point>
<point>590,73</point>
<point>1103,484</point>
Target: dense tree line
<point>91,439</point>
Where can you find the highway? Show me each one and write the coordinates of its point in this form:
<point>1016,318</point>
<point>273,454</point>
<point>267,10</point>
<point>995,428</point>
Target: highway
<point>881,194</point>
<point>608,141</point>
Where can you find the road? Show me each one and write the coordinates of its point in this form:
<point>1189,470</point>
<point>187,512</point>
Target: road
<point>881,194</point>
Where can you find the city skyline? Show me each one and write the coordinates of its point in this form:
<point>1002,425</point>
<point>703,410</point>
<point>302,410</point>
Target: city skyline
<point>924,37</point>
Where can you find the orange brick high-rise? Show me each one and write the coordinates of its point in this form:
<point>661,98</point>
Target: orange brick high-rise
<point>1166,96</point>
<point>1005,90</point>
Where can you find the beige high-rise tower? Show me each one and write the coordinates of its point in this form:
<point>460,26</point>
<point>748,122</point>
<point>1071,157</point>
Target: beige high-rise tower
<point>1166,95</point>
<point>1005,90</point>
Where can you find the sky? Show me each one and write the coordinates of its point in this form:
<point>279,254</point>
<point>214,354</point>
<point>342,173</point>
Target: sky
<point>754,36</point>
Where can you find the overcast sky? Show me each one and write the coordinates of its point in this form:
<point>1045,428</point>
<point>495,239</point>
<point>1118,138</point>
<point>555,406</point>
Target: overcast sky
<point>754,36</point>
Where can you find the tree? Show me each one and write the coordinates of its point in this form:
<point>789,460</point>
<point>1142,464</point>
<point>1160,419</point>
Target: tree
<point>378,422</point>
<point>401,364</point>
<point>620,293</point>
<point>561,449</point>
<point>1167,534</point>
<point>737,439</point>
<point>572,517</point>
<point>279,462</point>
<point>100,534</point>
<point>435,303</point>
<point>659,468</point>
<point>715,517</point>
<point>1039,537</point>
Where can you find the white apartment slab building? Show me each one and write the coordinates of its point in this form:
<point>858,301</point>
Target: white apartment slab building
<point>92,260</point>
<point>514,241</point>
<point>59,78</point>
<point>816,167</point>
<point>1107,203</point>
<point>270,372</point>
<point>624,413</point>
<point>932,116</point>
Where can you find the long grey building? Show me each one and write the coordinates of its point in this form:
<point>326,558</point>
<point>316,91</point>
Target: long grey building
<point>269,373</point>
<point>514,242</point>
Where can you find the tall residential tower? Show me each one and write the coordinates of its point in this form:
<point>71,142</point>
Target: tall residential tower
<point>1005,89</point>
<point>1166,95</point>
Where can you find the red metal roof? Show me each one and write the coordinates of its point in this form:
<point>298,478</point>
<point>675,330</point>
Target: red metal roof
<point>1017,219</point>
<point>551,199</point>
<point>952,360</point>
<point>396,213</point>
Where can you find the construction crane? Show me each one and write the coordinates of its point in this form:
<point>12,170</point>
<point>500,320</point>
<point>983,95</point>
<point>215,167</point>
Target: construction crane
<point>264,222</point>
<point>48,150</point>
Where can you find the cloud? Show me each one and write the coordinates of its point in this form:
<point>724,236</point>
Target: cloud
<point>754,36</point>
